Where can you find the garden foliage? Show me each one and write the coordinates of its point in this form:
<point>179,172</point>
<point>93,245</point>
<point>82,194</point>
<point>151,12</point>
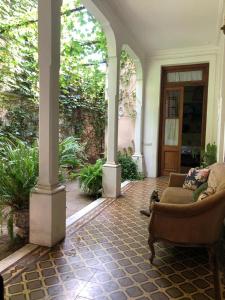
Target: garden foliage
<point>90,178</point>
<point>82,73</point>
<point>19,168</point>
<point>91,175</point>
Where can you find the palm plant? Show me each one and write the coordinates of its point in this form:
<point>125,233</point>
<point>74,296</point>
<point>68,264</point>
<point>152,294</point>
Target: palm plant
<point>18,172</point>
<point>71,153</point>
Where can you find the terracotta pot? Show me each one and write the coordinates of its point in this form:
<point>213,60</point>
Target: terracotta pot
<point>21,220</point>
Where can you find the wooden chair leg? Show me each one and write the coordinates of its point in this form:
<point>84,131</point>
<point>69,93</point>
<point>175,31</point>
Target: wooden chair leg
<point>213,261</point>
<point>1,288</point>
<point>152,248</point>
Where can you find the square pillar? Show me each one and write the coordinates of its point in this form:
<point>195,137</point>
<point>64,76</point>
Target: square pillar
<point>48,200</point>
<point>111,180</point>
<point>139,160</point>
<point>112,170</point>
<point>47,216</point>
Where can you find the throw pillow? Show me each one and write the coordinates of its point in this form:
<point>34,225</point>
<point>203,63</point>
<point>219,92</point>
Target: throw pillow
<point>210,191</point>
<point>199,190</point>
<point>195,178</point>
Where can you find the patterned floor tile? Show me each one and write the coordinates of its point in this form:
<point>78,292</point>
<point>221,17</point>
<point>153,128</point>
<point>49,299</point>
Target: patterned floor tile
<point>106,257</point>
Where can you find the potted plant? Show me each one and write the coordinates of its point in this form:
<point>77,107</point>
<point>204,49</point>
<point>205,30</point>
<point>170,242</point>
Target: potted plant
<point>18,175</point>
<point>209,155</point>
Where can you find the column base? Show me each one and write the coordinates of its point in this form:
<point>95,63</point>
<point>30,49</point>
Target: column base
<point>139,159</point>
<point>111,180</point>
<point>47,216</point>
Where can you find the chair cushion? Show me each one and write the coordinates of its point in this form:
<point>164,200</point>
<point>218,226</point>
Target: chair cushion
<point>195,178</point>
<point>177,195</point>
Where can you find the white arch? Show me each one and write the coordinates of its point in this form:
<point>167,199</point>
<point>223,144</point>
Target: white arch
<point>110,35</point>
<point>136,60</point>
<point>138,136</point>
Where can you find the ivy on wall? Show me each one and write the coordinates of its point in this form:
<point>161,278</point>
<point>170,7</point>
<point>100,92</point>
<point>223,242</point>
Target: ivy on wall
<point>127,100</point>
<point>82,72</point>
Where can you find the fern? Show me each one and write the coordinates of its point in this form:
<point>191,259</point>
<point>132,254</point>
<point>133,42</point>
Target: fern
<point>90,178</point>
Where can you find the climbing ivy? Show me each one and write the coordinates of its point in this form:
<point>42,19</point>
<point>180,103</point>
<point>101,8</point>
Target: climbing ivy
<point>127,99</point>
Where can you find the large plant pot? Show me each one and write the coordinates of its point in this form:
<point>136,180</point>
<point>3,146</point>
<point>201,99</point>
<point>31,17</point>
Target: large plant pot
<point>21,220</point>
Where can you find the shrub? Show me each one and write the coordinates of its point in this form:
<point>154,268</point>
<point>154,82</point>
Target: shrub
<point>129,170</point>
<point>90,178</point>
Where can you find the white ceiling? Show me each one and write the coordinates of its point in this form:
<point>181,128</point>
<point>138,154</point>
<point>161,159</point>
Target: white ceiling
<point>170,24</point>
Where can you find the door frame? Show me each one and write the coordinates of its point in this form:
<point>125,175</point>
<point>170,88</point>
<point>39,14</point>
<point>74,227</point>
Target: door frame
<point>164,84</point>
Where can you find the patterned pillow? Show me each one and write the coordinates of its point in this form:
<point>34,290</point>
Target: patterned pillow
<point>195,178</point>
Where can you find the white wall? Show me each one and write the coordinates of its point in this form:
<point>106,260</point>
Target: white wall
<point>152,96</point>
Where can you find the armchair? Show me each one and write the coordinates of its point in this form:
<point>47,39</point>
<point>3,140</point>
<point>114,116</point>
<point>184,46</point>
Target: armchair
<point>167,219</point>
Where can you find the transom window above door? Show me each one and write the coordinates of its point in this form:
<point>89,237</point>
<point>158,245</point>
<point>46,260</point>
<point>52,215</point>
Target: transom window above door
<point>182,76</point>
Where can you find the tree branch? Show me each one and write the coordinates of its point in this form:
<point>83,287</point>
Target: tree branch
<point>94,64</point>
<point>65,13</point>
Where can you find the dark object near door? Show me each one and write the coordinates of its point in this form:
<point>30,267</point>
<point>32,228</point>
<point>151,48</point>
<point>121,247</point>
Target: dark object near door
<point>1,288</point>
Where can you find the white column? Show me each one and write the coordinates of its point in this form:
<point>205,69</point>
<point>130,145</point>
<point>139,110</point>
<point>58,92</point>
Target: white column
<point>112,170</point>
<point>138,135</point>
<point>221,109</point>
<point>48,200</point>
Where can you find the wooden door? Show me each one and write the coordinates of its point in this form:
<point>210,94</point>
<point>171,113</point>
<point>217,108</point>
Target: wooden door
<point>171,130</point>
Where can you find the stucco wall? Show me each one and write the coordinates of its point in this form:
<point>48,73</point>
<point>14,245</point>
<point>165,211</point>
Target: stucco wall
<point>152,96</point>
<point>125,132</point>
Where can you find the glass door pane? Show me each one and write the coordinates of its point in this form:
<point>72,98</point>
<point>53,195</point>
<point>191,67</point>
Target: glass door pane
<point>172,122</point>
<point>192,126</point>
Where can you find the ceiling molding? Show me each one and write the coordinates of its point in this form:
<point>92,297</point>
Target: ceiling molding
<point>220,19</point>
<point>184,52</point>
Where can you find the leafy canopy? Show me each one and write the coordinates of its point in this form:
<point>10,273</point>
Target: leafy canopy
<point>83,64</point>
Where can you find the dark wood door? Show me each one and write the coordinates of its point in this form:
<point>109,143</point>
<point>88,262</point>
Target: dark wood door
<point>171,130</point>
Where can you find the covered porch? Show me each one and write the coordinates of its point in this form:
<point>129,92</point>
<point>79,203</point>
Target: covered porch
<point>197,41</point>
<point>104,254</point>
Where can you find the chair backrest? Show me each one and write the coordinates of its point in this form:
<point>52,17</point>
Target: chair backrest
<point>216,178</point>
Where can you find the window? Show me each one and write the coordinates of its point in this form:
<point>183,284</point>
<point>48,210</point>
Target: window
<point>185,76</point>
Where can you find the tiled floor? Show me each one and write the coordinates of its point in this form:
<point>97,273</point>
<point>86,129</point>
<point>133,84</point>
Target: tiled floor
<point>108,258</point>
